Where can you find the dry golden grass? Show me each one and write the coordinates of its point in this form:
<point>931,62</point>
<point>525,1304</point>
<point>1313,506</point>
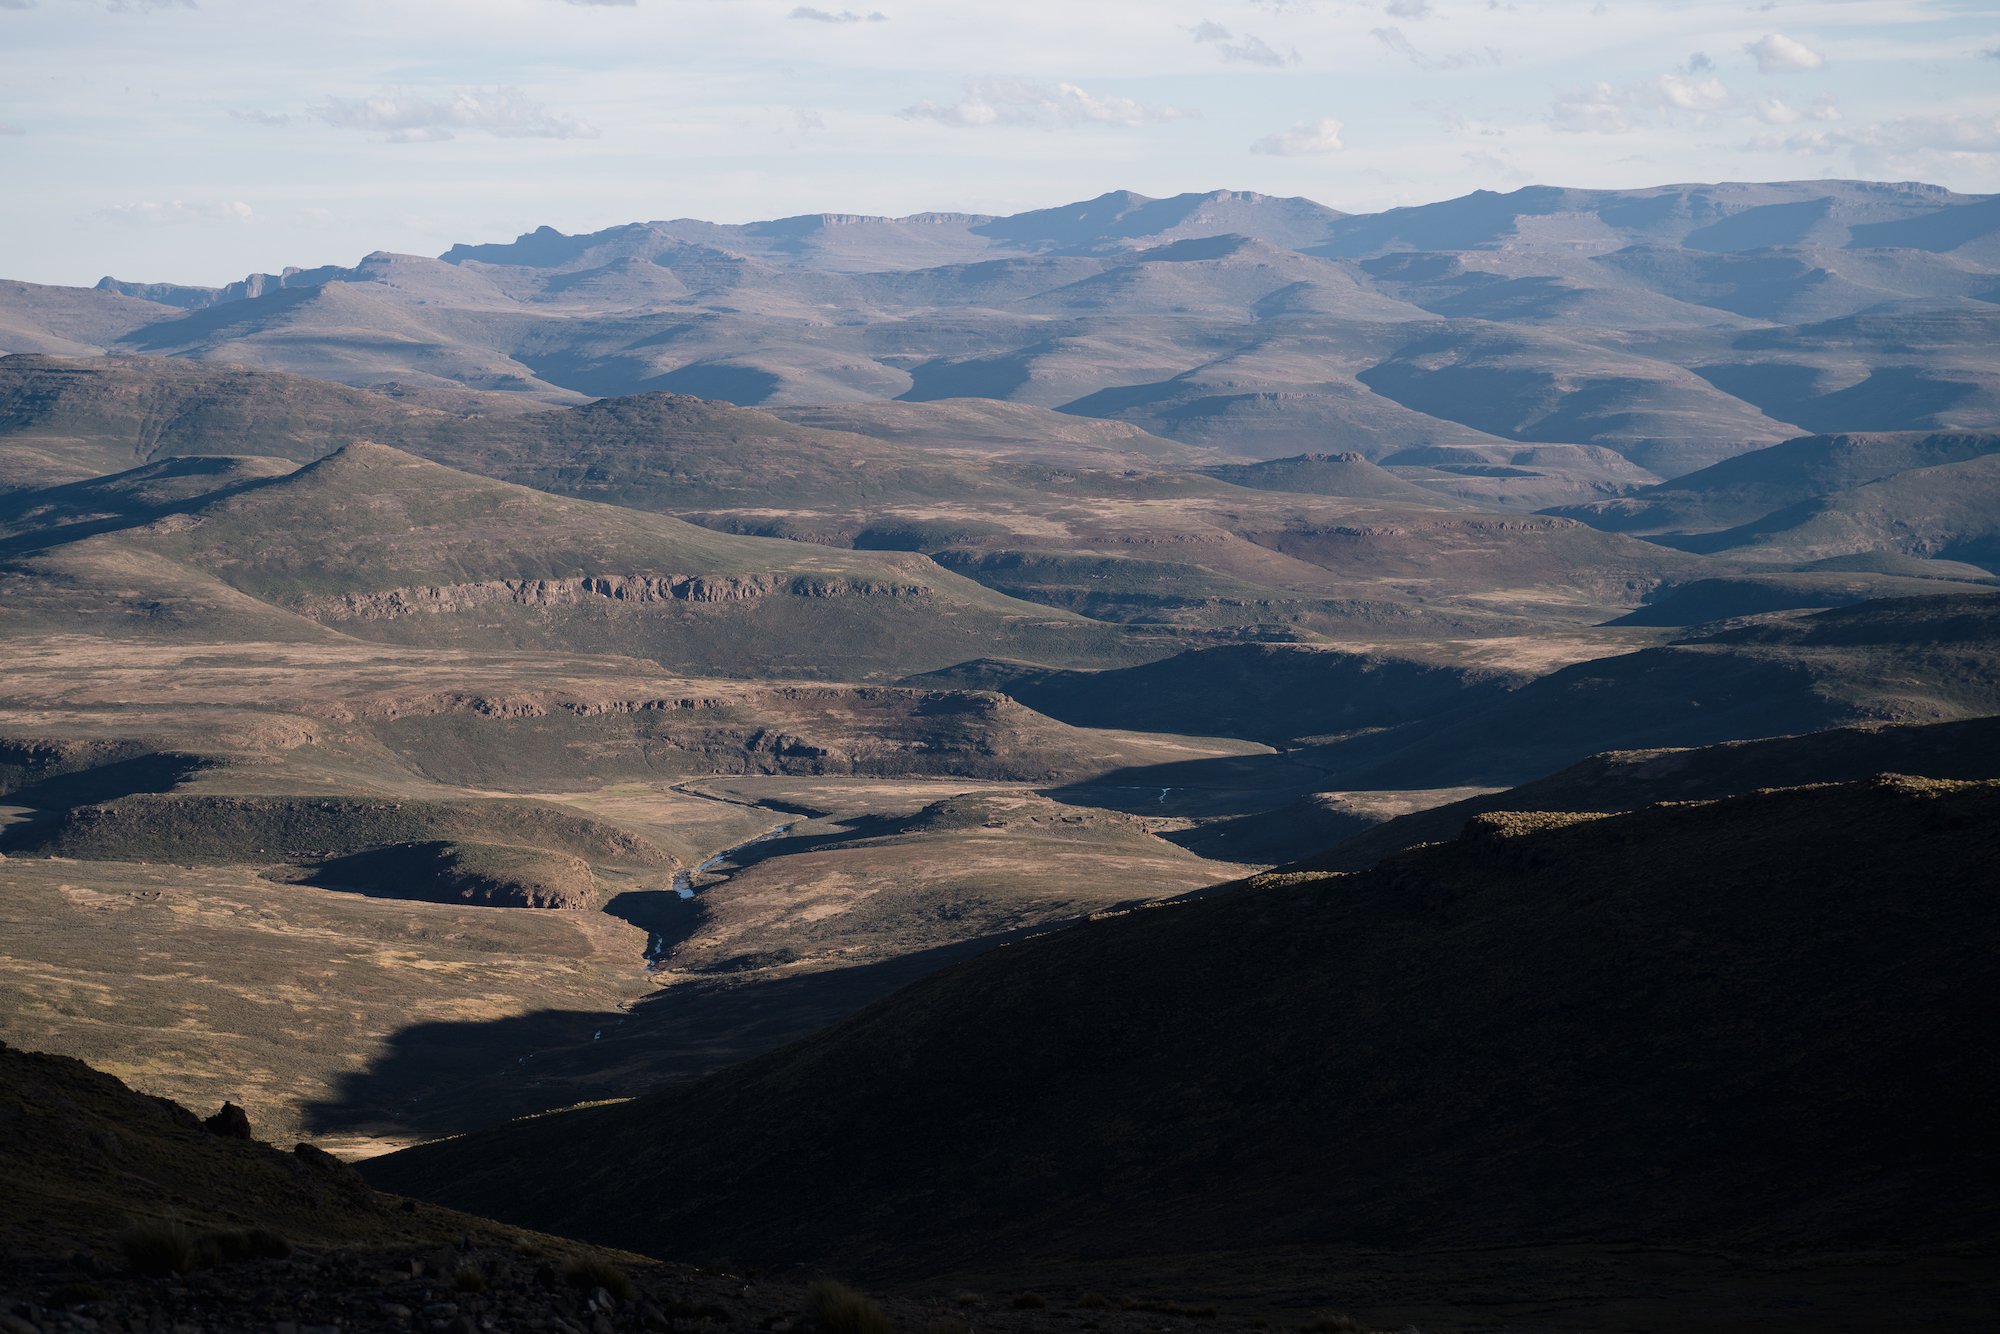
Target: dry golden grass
<point>208,984</point>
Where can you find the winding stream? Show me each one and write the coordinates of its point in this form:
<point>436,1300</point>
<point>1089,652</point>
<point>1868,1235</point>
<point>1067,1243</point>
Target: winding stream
<point>683,885</point>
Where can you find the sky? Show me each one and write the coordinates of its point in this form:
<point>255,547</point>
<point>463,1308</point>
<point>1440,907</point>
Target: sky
<point>199,140</point>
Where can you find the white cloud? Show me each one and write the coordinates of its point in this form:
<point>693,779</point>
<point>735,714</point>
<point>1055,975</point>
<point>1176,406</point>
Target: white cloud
<point>1773,111</point>
<point>1673,92</point>
<point>10,129</point>
<point>1601,108</point>
<point>1308,138</point>
<point>263,117</point>
<point>1396,41</point>
<point>844,16</point>
<point>1776,53</point>
<point>505,113</point>
<point>149,212</point>
<point>1017,102</point>
<point>1973,135</point>
<point>625,3</point>
<point>1248,48</point>
<point>30,4</point>
<point>1408,9</point>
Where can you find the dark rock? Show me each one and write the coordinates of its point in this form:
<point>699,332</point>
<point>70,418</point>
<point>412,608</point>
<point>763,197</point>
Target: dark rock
<point>232,1122</point>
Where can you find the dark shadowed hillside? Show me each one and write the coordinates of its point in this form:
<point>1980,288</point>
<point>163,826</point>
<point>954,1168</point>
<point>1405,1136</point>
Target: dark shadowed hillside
<point>1627,780</point>
<point>1925,659</point>
<point>1264,692</point>
<point>1751,486</point>
<point>1745,1025</point>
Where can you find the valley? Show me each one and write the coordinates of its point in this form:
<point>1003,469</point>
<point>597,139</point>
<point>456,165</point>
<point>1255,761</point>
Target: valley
<point>1208,748</point>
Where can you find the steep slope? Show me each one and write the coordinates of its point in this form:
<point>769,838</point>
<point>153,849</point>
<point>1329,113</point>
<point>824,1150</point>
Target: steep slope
<point>70,321</point>
<point>41,517</point>
<point>1532,385</point>
<point>87,1158</point>
<point>1264,692</point>
<point>1737,1025</point>
<point>1728,596</point>
<point>1927,659</point>
<point>1949,513</point>
<point>111,413</point>
<point>1750,486</point>
<point>1628,779</point>
<point>1907,366</point>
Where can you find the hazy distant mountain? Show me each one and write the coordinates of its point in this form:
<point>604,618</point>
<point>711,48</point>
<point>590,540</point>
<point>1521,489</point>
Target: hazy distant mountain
<point>1724,218</point>
<point>1675,326</point>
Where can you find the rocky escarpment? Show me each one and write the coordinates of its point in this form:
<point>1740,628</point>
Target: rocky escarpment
<point>225,829</point>
<point>514,739</point>
<point>620,589</point>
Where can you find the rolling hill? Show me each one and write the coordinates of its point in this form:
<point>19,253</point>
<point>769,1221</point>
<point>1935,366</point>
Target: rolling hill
<point>373,542</point>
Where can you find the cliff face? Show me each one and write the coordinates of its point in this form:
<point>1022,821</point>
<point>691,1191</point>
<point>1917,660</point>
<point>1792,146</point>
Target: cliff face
<point>625,589</point>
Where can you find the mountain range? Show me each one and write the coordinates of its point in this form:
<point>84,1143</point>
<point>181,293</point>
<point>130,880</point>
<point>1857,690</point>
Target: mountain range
<point>1672,327</point>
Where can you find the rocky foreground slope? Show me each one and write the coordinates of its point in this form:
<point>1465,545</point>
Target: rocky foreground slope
<point>120,1212</point>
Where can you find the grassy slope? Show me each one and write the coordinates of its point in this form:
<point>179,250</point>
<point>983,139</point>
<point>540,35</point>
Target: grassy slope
<point>378,543</point>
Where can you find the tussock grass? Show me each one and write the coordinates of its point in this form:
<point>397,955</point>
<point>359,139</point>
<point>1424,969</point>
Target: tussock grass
<point>159,1247</point>
<point>1332,1322</point>
<point>162,1246</point>
<point>838,1309</point>
<point>586,1273</point>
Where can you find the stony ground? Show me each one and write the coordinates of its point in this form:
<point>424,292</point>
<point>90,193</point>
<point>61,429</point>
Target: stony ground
<point>470,1288</point>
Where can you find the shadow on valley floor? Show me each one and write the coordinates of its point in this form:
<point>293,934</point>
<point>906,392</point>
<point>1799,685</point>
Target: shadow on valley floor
<point>444,1078</point>
<point>1223,786</point>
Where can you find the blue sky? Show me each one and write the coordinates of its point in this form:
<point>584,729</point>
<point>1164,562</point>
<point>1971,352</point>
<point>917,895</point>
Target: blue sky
<point>197,140</point>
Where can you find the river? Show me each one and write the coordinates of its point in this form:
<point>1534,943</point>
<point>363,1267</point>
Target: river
<point>656,943</point>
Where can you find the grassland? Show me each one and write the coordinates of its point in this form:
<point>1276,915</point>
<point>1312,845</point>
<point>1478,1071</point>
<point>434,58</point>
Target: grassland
<point>208,983</point>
